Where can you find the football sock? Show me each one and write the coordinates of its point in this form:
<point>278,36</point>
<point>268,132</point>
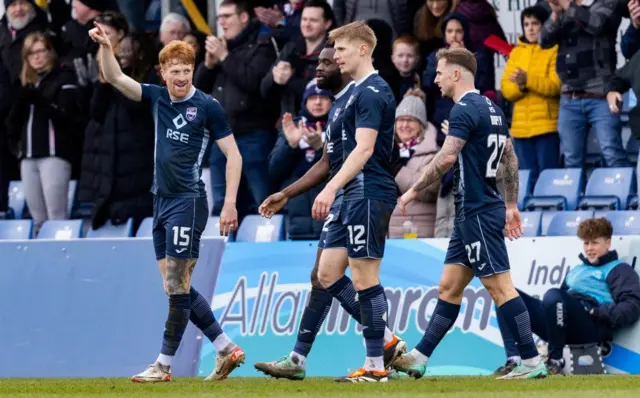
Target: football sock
<point>202,317</point>
<point>312,318</point>
<point>373,312</point>
<point>165,360</point>
<point>444,316</point>
<point>300,360</point>
<point>516,317</point>
<point>510,345</point>
<point>177,320</point>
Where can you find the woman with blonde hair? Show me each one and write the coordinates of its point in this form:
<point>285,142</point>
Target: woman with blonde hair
<point>43,128</point>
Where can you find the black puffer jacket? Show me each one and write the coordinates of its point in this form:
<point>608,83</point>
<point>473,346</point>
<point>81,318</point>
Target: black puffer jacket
<point>117,166</point>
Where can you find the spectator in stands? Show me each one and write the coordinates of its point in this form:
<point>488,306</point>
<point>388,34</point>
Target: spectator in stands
<point>42,127</point>
<point>282,20</point>
<point>382,52</point>
<point>586,39</point>
<point>234,66</point>
<point>428,24</point>
<point>173,27</point>
<point>194,41</point>
<point>482,20</point>
<point>299,147</point>
<point>530,81</point>
<point>394,12</point>
<point>117,166</point>
<point>416,138</point>
<point>296,64</point>
<point>596,298</point>
<point>630,42</point>
<point>115,26</point>
<point>405,57</point>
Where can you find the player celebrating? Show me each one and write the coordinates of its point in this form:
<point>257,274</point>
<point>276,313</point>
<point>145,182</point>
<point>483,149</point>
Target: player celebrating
<point>333,237</point>
<point>477,144</point>
<point>184,119</point>
<point>369,194</point>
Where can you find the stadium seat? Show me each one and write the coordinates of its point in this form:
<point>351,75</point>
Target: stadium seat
<point>531,221</point>
<point>255,228</point>
<point>556,189</point>
<point>17,201</point>
<point>145,230</point>
<point>609,188</point>
<point>112,231</point>
<point>16,229</point>
<point>524,188</point>
<point>624,222</point>
<point>547,216</point>
<point>213,228</point>
<point>61,229</point>
<point>71,197</point>
<point>565,223</point>
<point>633,203</point>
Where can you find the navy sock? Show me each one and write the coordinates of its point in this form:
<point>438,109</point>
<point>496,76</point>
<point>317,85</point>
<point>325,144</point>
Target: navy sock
<point>444,316</point>
<point>345,293</point>
<point>312,318</point>
<point>373,312</point>
<point>516,318</point>
<point>202,316</point>
<point>177,320</point>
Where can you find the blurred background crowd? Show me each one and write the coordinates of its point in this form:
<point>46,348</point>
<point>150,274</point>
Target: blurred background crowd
<point>562,85</point>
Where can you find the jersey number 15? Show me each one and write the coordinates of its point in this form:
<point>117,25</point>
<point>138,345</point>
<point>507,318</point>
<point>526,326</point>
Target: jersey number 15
<point>497,142</point>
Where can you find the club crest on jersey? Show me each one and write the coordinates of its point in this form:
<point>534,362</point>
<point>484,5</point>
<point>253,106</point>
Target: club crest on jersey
<point>191,113</point>
<point>336,114</point>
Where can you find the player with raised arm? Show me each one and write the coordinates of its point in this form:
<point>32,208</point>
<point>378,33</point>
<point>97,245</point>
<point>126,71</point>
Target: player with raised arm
<point>333,236</point>
<point>184,118</point>
<point>369,195</point>
<point>477,145</point>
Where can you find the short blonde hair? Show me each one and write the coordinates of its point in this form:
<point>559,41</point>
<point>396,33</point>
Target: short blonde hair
<point>459,56</point>
<point>28,75</point>
<point>177,50</point>
<point>355,31</point>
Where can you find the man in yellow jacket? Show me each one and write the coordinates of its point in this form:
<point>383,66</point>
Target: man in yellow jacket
<point>531,83</point>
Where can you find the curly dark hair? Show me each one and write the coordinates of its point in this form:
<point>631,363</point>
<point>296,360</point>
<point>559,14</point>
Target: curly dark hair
<point>594,228</point>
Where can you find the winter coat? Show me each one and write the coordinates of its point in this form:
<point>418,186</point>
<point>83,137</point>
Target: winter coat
<point>535,111</point>
<point>625,78</point>
<point>422,211</point>
<point>45,119</point>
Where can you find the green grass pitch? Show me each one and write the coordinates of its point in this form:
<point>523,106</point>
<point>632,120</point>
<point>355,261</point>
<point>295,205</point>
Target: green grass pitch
<point>610,386</point>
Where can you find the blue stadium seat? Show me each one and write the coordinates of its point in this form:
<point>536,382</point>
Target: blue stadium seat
<point>16,229</point>
<point>213,229</point>
<point>547,216</point>
<point>112,231</point>
<point>255,228</point>
<point>61,229</point>
<point>71,195</point>
<point>531,221</point>
<point>556,189</point>
<point>633,202</point>
<point>609,188</point>
<point>524,188</point>
<point>17,201</point>
<point>145,230</point>
<point>624,222</point>
<point>565,223</point>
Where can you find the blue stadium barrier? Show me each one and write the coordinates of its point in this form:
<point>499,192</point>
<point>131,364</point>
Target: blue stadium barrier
<point>609,188</point>
<point>145,230</point>
<point>255,228</point>
<point>531,221</point>
<point>524,188</point>
<point>16,229</point>
<point>112,231</point>
<point>624,222</point>
<point>565,223</point>
<point>556,189</point>
<point>61,229</point>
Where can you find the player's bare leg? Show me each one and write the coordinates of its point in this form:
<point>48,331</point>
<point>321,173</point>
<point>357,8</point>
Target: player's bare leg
<point>515,314</point>
<point>455,277</point>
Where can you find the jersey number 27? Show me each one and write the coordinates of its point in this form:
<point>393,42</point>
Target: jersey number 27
<point>497,142</point>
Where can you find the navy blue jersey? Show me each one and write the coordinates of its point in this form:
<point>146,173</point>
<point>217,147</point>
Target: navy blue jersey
<point>183,128</point>
<point>334,129</point>
<point>371,105</point>
<point>482,124</point>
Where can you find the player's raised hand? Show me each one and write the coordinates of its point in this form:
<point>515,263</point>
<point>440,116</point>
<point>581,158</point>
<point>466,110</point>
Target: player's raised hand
<point>273,204</point>
<point>228,219</point>
<point>97,34</point>
<point>513,226</point>
<point>322,204</point>
<point>405,199</point>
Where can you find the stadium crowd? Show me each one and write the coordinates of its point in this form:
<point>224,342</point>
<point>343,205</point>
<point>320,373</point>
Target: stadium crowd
<point>62,121</point>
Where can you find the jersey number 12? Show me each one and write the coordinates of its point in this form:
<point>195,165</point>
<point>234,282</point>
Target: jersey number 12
<point>497,142</point>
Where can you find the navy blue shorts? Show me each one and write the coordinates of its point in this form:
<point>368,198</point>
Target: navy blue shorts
<point>334,233</point>
<point>366,223</point>
<point>478,243</point>
<point>177,226</point>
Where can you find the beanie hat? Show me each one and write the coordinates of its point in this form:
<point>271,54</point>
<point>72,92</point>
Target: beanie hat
<point>413,106</point>
<point>315,90</point>
<point>7,3</point>
<point>99,5</point>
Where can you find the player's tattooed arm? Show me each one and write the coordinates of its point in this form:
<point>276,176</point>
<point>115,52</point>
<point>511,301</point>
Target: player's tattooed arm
<point>441,163</point>
<point>510,176</point>
<point>179,272</point>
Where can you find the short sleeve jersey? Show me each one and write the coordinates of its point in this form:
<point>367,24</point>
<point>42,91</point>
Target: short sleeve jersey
<point>371,105</point>
<point>183,128</point>
<point>334,133</point>
<point>482,124</point>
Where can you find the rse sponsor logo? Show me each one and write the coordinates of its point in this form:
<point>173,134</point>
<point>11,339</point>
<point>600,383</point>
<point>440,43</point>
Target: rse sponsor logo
<point>177,136</point>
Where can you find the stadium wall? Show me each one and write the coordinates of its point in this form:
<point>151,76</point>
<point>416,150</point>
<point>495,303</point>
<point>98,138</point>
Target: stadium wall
<point>91,308</point>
